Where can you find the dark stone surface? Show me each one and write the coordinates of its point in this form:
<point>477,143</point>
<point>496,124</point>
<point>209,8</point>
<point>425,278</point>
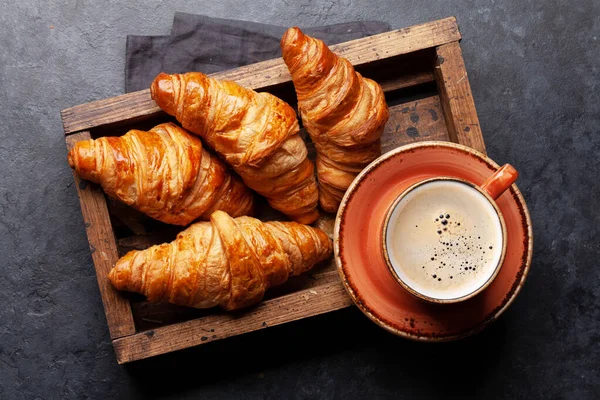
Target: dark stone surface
<point>534,72</point>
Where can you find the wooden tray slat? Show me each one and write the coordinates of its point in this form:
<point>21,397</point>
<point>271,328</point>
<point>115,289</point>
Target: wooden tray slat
<point>457,99</point>
<point>272,312</point>
<point>408,80</point>
<point>414,121</point>
<point>103,248</point>
<point>151,316</point>
<point>267,73</point>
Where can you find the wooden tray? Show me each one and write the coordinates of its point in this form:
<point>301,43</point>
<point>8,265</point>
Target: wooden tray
<point>422,72</point>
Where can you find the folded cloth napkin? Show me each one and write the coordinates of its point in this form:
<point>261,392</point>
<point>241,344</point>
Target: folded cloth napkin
<point>206,44</point>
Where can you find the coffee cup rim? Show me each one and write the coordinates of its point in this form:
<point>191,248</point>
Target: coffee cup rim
<point>391,268</point>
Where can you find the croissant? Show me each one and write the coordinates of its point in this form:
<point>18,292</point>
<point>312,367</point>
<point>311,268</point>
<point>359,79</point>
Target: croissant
<point>164,173</point>
<point>226,262</point>
<point>256,133</point>
<point>343,112</point>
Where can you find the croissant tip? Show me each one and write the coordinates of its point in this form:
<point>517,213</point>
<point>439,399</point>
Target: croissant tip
<point>291,36</point>
<point>111,276</point>
<point>71,158</point>
<point>82,158</point>
<point>120,275</point>
<point>156,84</point>
<point>162,76</point>
<point>116,278</point>
<point>162,91</point>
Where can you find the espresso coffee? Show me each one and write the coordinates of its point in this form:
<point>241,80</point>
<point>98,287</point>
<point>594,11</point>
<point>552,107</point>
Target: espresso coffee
<point>444,239</point>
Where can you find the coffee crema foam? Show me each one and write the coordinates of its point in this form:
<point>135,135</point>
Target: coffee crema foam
<point>444,239</point>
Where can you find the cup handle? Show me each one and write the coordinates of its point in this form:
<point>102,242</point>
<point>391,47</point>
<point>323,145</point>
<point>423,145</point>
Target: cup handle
<point>501,180</point>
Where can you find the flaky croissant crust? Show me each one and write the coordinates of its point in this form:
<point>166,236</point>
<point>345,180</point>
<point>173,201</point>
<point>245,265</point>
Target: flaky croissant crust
<point>256,133</point>
<point>343,112</point>
<point>226,262</point>
<point>164,173</point>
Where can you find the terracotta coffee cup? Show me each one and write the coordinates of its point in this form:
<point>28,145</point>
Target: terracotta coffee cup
<point>444,238</point>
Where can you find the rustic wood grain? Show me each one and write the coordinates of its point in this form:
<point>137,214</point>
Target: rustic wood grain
<point>269,73</point>
<point>407,80</point>
<point>103,249</point>
<point>152,315</point>
<point>414,121</point>
<point>457,99</point>
<point>306,303</point>
<point>101,112</point>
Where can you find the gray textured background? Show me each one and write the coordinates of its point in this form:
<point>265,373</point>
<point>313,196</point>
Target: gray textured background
<point>533,67</point>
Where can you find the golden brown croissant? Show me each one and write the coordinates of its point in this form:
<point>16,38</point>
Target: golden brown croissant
<point>164,173</point>
<point>343,112</point>
<point>256,133</point>
<point>225,262</point>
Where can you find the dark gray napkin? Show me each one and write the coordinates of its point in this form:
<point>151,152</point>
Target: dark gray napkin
<point>144,55</point>
<point>206,44</point>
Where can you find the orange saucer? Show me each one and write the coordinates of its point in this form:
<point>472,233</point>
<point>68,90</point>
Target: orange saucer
<point>358,247</point>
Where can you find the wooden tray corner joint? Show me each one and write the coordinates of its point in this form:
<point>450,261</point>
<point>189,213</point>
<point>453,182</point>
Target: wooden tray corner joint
<point>423,75</point>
